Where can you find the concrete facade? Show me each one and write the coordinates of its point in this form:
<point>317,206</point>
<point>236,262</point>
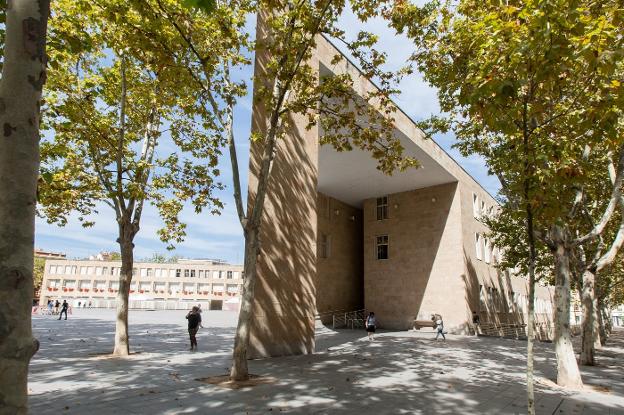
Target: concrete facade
<point>154,285</point>
<point>340,264</point>
<point>438,257</point>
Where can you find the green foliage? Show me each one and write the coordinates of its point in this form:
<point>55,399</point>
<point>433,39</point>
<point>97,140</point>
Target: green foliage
<point>205,5</point>
<point>38,271</point>
<point>126,121</point>
<point>162,258</point>
<point>346,119</point>
<point>534,87</point>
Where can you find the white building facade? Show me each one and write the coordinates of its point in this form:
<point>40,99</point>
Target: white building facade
<point>212,284</point>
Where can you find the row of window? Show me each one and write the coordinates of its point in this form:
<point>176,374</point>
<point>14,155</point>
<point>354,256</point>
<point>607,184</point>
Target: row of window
<point>142,286</point>
<point>491,295</point>
<point>381,246</point>
<point>485,250</point>
<point>479,208</point>
<point>144,272</point>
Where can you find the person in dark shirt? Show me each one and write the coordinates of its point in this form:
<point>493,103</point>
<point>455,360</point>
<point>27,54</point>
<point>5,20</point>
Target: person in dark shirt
<point>64,309</point>
<point>194,323</point>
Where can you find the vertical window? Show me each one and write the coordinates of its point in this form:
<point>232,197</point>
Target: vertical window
<point>478,247</point>
<point>150,272</point>
<point>482,300</point>
<point>220,274</point>
<point>187,273</point>
<point>83,270</point>
<point>201,273</point>
<point>178,273</point>
<point>192,273</point>
<point>495,299</point>
<point>382,208</point>
<point>487,250</point>
<point>52,269</point>
<point>482,211</point>
<point>382,247</point>
<point>105,271</point>
<point>68,270</point>
<point>475,205</point>
<point>207,273</point>
<point>157,274</point>
<point>144,272</point>
<point>90,270</point>
<point>229,275</point>
<point>324,246</point>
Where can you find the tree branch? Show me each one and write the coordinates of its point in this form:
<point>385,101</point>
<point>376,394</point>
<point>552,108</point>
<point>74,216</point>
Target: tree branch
<point>616,194</point>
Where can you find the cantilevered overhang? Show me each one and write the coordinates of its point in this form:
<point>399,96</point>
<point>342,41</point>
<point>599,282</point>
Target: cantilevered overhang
<point>352,176</point>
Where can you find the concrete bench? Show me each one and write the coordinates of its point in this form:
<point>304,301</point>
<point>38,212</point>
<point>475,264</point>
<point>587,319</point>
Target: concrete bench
<point>418,324</point>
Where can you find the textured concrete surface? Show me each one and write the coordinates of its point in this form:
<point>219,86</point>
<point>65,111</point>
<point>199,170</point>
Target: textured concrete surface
<point>399,373</point>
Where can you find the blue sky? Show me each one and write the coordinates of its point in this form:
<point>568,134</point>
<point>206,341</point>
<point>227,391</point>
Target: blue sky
<point>220,236</point>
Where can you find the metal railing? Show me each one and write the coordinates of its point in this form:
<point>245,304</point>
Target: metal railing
<point>349,319</point>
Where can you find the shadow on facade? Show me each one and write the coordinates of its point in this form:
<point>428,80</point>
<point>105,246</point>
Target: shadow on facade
<point>502,304</point>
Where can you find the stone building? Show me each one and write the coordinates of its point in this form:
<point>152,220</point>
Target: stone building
<point>339,235</point>
<point>213,284</point>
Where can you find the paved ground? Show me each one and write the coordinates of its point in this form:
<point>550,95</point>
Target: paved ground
<point>399,373</point>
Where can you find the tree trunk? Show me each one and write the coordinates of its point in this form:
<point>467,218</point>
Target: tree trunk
<point>122,339</point>
<point>568,374</point>
<point>589,333</point>
<point>240,370</point>
<point>531,316</point>
<point>602,329</point>
<point>23,76</point>
<point>531,341</point>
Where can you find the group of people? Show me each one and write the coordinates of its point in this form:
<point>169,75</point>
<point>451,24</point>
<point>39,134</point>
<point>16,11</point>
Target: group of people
<point>194,324</point>
<point>55,307</point>
<point>371,325</point>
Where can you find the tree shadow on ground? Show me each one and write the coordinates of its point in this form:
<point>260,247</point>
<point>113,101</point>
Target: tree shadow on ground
<point>400,372</point>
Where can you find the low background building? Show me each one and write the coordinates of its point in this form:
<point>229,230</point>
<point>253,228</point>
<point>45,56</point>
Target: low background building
<point>213,284</point>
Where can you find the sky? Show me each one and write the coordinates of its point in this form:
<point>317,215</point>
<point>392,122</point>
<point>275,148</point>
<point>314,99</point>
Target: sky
<point>220,236</point>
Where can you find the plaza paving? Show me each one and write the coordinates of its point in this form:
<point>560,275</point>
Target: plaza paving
<point>399,373</point>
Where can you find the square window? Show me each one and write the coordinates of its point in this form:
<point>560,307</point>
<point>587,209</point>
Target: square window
<point>475,205</point>
<point>324,246</point>
<point>382,208</point>
<point>478,247</point>
<point>382,247</point>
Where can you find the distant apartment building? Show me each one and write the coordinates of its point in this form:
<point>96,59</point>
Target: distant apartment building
<point>213,284</point>
<point>40,253</point>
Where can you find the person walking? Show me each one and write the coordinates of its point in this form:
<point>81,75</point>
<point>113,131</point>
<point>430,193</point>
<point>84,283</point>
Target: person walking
<point>194,323</point>
<point>440,327</point>
<point>476,320</point>
<point>56,307</point>
<point>64,308</point>
<point>371,324</point>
